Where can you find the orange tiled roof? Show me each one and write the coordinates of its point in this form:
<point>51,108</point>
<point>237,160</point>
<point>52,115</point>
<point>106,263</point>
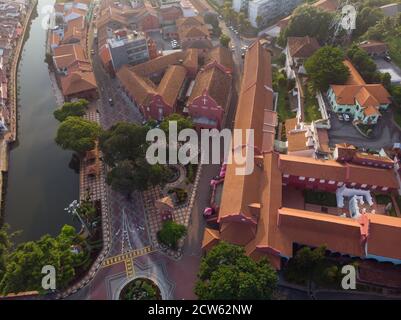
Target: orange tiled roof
<point>171,84</point>
<point>216,82</point>
<point>297,141</point>
<point>355,77</point>
<point>67,54</point>
<point>302,47</point>
<point>255,97</point>
<point>222,56</point>
<point>77,82</point>
<point>335,171</point>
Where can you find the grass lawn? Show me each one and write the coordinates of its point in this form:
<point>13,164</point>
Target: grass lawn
<point>320,198</point>
<point>311,108</point>
<point>283,105</point>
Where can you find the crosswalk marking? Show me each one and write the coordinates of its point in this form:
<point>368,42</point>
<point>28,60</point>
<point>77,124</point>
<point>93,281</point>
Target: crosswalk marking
<point>127,256</point>
<point>129,268</point>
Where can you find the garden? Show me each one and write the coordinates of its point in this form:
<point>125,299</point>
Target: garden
<point>320,198</point>
<point>141,289</point>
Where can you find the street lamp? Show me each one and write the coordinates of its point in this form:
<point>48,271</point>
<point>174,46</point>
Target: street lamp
<point>73,210</point>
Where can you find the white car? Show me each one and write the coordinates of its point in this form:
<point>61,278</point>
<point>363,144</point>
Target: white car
<point>346,117</point>
<point>340,117</point>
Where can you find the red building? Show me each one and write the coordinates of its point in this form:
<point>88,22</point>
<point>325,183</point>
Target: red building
<point>149,22</point>
<point>329,175</point>
<point>168,15</point>
<point>156,85</point>
<point>210,96</point>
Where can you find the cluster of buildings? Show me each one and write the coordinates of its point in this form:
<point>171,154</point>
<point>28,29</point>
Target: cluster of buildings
<point>67,44</point>
<point>123,31</point>
<point>267,212</point>
<point>12,15</point>
<point>178,83</point>
<point>363,102</point>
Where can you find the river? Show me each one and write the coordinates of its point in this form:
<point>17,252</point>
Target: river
<point>40,182</point>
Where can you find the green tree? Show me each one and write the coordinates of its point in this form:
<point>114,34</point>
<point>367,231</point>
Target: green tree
<point>78,134</point>
<point>308,21</point>
<point>227,273</point>
<point>124,141</point>
<point>225,40</point>
<point>326,67</point>
<point>396,93</point>
<point>363,63</point>
<point>366,18</point>
<point>140,289</point>
<point>71,109</point>
<point>182,123</point>
<point>124,149</point>
<point>170,233</point>
<point>25,263</point>
<point>5,246</point>
<point>307,266</point>
<point>259,21</point>
<point>128,176</point>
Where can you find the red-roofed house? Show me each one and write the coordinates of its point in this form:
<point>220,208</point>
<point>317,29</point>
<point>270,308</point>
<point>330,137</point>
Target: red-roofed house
<point>363,101</point>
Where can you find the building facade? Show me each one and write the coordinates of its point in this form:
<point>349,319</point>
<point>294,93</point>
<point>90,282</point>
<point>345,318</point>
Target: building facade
<point>128,48</point>
<point>269,10</point>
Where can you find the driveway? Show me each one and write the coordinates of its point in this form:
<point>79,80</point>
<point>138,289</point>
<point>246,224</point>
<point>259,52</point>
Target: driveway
<point>385,134</point>
<point>384,66</point>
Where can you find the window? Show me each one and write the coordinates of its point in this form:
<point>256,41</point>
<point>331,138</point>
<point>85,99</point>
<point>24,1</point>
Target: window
<point>301,178</point>
<point>364,185</point>
<point>374,187</point>
<point>322,181</point>
<point>332,182</point>
<point>340,184</point>
<point>384,188</point>
<point>311,179</point>
<point>353,184</point>
<point>286,175</point>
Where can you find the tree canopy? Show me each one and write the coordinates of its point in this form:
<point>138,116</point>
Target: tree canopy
<point>170,233</point>
<point>25,263</point>
<point>308,21</point>
<point>227,273</point>
<point>225,40</point>
<point>326,67</point>
<point>182,123</point>
<point>124,149</point>
<point>71,109</point>
<point>366,18</point>
<point>78,134</point>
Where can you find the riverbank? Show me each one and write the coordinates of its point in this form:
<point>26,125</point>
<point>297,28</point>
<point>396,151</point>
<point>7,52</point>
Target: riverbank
<point>11,136</point>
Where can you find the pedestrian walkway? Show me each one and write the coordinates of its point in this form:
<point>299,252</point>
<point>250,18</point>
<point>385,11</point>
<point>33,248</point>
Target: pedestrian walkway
<point>127,256</point>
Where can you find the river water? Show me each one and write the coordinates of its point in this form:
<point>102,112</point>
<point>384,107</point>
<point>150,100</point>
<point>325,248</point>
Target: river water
<point>40,182</point>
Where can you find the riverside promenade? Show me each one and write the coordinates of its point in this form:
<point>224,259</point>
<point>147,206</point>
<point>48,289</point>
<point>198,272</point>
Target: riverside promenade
<point>11,136</point>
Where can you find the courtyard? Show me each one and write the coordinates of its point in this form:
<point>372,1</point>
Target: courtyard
<point>385,134</point>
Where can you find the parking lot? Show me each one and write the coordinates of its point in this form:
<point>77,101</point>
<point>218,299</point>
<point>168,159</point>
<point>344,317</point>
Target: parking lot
<point>385,133</point>
<point>385,66</point>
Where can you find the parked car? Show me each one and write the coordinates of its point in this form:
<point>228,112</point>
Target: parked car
<point>346,117</point>
<point>340,117</point>
<point>387,58</point>
<point>220,17</point>
<point>111,102</point>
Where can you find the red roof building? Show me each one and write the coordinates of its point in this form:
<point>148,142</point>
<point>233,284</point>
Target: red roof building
<point>265,211</point>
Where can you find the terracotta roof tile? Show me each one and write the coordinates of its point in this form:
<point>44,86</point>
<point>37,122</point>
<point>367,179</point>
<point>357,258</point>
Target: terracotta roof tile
<point>302,47</point>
